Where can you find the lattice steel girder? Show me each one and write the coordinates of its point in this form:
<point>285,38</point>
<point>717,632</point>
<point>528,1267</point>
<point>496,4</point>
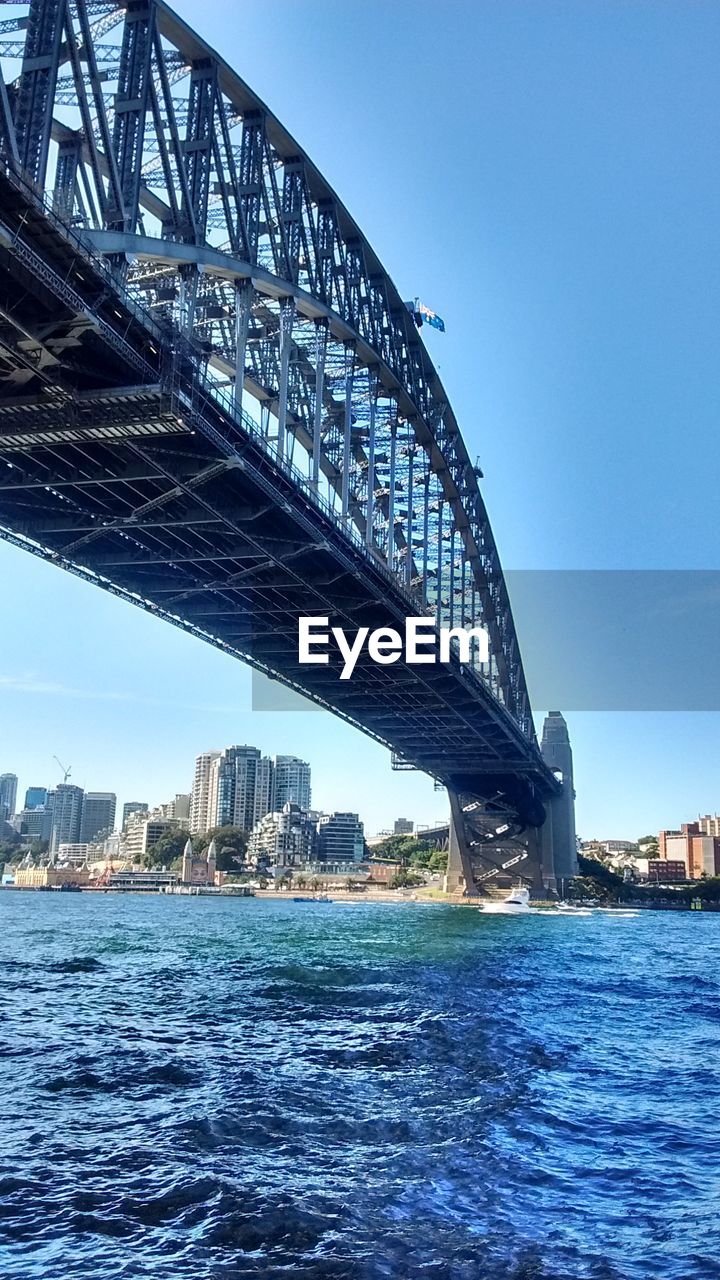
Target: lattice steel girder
<point>279,289</point>
<point>36,91</point>
<point>131,107</point>
<point>306,229</point>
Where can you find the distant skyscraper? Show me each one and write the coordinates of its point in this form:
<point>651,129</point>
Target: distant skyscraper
<point>35,797</point>
<point>291,782</point>
<point>200,811</point>
<point>132,806</point>
<point>98,814</point>
<point>8,795</point>
<point>66,803</point>
<point>241,788</point>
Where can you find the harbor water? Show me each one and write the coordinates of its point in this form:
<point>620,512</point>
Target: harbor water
<point>208,1089</point>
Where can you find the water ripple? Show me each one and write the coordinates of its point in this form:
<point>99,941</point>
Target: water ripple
<point>209,1090</point>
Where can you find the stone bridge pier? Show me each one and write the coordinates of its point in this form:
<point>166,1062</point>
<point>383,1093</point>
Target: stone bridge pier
<point>544,856</point>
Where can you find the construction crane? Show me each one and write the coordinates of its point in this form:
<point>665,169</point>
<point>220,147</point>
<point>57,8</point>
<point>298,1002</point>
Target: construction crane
<point>66,771</point>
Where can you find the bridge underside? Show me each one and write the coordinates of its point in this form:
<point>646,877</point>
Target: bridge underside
<point>117,462</point>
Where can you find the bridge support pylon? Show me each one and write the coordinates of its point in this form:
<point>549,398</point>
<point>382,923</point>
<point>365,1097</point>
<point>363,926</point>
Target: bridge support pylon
<point>547,854</point>
<point>555,843</point>
<point>459,877</point>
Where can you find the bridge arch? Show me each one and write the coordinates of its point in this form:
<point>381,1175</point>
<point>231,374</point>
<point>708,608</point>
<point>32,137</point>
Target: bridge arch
<point>150,150</point>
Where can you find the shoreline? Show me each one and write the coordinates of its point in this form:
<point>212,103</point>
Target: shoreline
<point>341,897</point>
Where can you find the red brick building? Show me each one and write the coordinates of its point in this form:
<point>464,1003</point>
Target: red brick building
<point>699,852</point>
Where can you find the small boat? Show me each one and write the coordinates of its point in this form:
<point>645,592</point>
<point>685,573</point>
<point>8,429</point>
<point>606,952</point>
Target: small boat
<point>319,897</point>
<point>569,909</point>
<point>516,903</point>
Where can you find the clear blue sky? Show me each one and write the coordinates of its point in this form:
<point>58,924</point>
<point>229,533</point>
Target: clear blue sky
<point>547,177</point>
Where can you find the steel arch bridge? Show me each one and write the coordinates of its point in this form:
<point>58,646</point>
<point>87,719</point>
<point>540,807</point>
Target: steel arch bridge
<point>214,402</point>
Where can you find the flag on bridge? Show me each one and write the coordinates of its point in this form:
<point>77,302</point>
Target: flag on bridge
<point>423,315</point>
<point>429,317</point>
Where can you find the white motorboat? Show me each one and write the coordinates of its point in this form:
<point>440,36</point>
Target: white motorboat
<point>516,903</point>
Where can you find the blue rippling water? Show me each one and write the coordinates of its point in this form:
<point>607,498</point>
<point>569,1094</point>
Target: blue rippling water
<point>205,1090</point>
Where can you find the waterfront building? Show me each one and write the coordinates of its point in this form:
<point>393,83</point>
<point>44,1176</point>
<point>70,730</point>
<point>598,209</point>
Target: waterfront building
<point>284,838</point>
<point>133,806</point>
<point>49,877</point>
<point>98,814</point>
<point>403,827</point>
<point>710,826</point>
<point>66,805</point>
<point>290,783</point>
<point>142,881</point>
<point>340,838</point>
<point>201,819</point>
<point>36,797</point>
<point>383,872</point>
<point>699,852</point>
<point>8,796</point>
<point>665,870</point>
<point>199,868</point>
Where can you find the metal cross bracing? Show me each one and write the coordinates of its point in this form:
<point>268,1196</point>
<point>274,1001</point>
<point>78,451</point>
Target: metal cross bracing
<point>219,231</point>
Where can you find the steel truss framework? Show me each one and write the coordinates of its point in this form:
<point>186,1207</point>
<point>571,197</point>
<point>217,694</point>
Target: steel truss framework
<point>261,302</point>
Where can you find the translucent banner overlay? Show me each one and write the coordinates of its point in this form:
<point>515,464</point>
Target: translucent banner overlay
<point>602,640</point>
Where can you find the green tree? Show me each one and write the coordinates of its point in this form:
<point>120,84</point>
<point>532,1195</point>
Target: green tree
<point>405,880</point>
<point>10,851</point>
<point>438,861</point>
<point>168,849</point>
<point>231,844</point>
<point>598,881</point>
<point>407,850</point>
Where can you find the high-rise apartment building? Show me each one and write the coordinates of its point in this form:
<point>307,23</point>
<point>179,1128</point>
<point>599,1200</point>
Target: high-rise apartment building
<point>66,806</point>
<point>201,819</point>
<point>132,806</point>
<point>143,832</point>
<point>8,796</point>
<point>291,783</point>
<point>241,788</point>
<point>98,815</point>
<point>284,839</point>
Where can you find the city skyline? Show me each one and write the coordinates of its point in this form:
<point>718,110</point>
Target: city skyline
<point>237,785</point>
